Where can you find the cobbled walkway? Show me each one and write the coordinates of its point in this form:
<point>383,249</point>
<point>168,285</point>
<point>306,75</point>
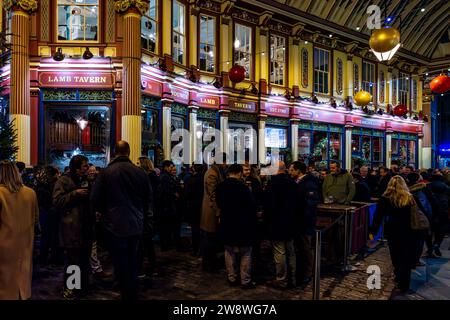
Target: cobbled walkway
<point>180,277</point>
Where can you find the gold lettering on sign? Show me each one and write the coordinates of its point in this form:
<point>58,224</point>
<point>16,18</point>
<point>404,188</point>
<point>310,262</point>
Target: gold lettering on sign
<point>208,101</point>
<point>243,106</point>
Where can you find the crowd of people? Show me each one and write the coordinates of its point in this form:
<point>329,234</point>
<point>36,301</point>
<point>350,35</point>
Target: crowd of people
<point>129,208</point>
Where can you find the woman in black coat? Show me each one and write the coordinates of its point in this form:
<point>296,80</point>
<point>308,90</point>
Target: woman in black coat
<point>395,208</point>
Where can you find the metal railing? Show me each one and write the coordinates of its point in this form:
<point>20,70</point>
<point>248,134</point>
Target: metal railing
<point>317,255</point>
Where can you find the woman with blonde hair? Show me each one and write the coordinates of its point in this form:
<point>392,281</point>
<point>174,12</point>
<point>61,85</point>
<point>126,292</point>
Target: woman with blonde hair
<point>18,217</point>
<point>394,207</point>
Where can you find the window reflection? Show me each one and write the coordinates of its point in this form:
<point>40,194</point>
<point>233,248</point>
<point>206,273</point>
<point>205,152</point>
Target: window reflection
<point>78,20</point>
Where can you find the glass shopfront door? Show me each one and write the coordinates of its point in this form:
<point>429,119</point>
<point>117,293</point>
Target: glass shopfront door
<point>72,130</point>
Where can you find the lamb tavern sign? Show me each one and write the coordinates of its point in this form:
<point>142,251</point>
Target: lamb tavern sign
<point>76,79</point>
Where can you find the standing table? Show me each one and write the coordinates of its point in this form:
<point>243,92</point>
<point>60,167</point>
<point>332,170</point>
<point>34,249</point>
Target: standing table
<point>348,212</point>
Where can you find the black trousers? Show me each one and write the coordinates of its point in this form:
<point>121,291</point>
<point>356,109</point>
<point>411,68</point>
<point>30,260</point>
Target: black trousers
<point>305,256</point>
<point>210,244</point>
<point>403,252</point>
<point>124,252</point>
<point>169,232</point>
<point>146,249</point>
<point>79,257</point>
<point>196,237</point>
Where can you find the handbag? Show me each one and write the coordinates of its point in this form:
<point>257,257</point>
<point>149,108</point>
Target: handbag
<point>419,220</point>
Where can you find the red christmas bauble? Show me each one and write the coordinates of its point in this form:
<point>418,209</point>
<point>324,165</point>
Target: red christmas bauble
<point>400,110</point>
<point>440,84</point>
<point>236,73</point>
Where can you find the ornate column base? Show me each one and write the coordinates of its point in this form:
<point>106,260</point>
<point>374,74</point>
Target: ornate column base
<point>131,132</point>
<point>22,123</point>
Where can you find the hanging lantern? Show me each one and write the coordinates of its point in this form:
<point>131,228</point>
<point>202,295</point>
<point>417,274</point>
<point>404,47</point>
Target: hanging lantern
<point>440,84</point>
<point>236,73</point>
<point>362,98</point>
<point>384,43</point>
<point>401,110</point>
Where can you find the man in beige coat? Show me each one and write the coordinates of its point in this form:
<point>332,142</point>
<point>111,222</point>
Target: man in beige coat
<point>18,217</point>
<point>210,212</point>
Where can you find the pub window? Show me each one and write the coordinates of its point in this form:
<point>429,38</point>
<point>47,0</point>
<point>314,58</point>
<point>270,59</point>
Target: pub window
<point>149,27</point>
<point>243,47</point>
<point>368,77</point>
<point>207,48</point>
<point>179,32</point>
<point>78,20</point>
<point>277,59</point>
<point>403,88</point>
<point>321,70</point>
<point>7,26</point>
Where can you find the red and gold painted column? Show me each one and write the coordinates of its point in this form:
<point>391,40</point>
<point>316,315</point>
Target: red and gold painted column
<point>132,11</point>
<point>20,74</point>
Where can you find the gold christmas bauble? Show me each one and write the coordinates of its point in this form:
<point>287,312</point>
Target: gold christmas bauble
<point>362,98</point>
<point>385,39</point>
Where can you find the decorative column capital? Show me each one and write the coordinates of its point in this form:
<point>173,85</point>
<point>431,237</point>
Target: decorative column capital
<point>122,6</point>
<point>29,6</point>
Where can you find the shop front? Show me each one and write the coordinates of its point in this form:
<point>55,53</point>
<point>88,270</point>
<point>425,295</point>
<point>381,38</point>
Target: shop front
<point>368,141</point>
<point>276,135</point>
<point>72,120</point>
<point>406,142</point>
<point>320,137</point>
<point>206,121</point>
<point>243,128</point>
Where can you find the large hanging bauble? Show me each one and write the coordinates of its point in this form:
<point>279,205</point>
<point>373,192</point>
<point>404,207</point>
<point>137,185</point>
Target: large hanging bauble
<point>362,98</point>
<point>400,110</point>
<point>236,73</point>
<point>440,84</point>
<point>384,39</point>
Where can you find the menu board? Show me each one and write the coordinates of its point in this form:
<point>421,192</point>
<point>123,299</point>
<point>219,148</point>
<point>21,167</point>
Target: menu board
<point>276,138</point>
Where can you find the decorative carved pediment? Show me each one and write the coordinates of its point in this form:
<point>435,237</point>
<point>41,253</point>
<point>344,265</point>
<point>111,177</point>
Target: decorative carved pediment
<point>264,18</point>
<point>297,29</point>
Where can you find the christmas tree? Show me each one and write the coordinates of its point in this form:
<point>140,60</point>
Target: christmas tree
<point>8,135</point>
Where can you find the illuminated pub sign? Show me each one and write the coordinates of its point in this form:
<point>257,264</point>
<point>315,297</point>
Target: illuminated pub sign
<point>208,101</point>
<point>73,79</point>
<point>242,106</point>
<point>277,110</point>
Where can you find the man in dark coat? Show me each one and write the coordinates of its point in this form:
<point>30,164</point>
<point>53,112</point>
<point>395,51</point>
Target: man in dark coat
<point>123,196</point>
<point>194,199</point>
<point>71,199</point>
<point>237,226</point>
<point>167,219</point>
<point>439,221</point>
<point>383,181</point>
<point>281,210</point>
<point>426,201</point>
<point>309,198</point>
<point>369,179</point>
<point>362,190</point>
